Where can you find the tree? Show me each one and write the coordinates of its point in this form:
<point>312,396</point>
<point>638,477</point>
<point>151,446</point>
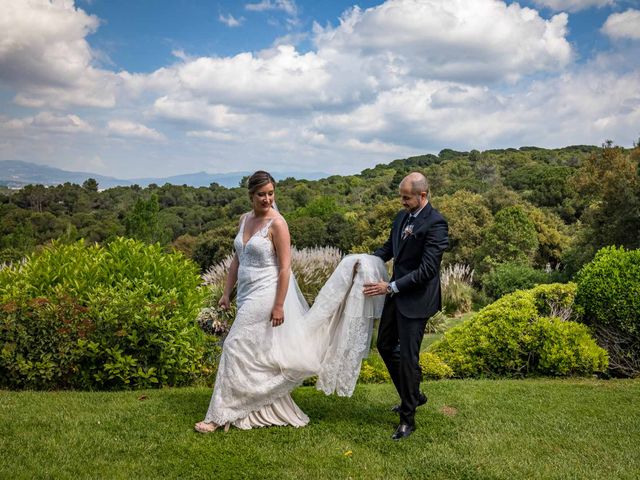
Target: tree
<point>553,237</point>
<point>33,197</point>
<point>308,232</point>
<point>213,246</point>
<point>467,216</point>
<point>90,185</point>
<point>511,238</point>
<point>142,223</point>
<point>543,185</point>
<point>341,232</point>
<point>609,182</point>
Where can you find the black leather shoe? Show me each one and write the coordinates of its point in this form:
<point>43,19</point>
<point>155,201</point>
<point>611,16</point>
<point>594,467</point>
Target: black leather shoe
<point>421,401</point>
<point>403,431</point>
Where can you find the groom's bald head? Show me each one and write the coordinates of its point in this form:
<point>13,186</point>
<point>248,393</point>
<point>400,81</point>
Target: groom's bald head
<point>414,191</point>
<point>417,182</point>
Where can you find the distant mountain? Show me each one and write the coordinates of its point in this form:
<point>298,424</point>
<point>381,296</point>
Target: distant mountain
<point>204,179</point>
<point>17,174</point>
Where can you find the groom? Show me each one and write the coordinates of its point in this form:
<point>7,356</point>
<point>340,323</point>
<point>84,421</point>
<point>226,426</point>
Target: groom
<point>419,236</point>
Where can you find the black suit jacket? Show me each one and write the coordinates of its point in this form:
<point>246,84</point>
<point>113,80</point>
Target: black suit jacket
<point>416,262</point>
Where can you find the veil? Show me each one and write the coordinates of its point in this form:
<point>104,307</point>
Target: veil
<point>331,338</point>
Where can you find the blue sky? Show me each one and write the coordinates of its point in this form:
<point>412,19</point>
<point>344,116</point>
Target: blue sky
<point>151,87</point>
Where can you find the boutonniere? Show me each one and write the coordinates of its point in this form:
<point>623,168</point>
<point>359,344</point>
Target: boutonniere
<point>408,231</point>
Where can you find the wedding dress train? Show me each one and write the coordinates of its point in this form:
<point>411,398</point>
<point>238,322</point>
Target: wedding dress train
<point>261,364</point>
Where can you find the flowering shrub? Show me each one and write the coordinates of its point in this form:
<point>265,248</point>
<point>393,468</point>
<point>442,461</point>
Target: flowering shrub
<point>94,317</point>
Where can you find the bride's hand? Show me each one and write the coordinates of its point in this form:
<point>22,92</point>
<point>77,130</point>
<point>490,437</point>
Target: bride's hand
<point>224,302</point>
<point>277,316</point>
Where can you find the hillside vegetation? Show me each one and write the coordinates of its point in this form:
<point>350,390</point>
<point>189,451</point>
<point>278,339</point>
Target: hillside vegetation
<point>535,207</point>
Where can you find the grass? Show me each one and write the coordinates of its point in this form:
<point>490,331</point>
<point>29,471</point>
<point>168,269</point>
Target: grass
<point>471,429</point>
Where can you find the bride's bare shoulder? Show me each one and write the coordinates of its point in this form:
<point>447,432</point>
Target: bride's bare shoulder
<point>279,222</point>
<point>279,228</point>
<point>243,217</point>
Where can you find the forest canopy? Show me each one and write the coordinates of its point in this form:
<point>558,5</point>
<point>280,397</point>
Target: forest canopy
<point>539,208</point>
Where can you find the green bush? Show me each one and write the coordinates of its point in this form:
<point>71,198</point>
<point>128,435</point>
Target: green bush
<point>609,289</point>
<point>93,317</point>
<point>609,298</point>
<point>374,370</point>
<point>509,277</point>
<point>523,333</point>
<point>433,367</point>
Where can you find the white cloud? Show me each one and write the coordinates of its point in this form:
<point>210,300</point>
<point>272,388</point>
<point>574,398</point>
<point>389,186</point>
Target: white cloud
<point>373,146</point>
<point>277,78</point>
<point>584,106</point>
<point>290,39</point>
<point>190,110</point>
<point>212,135</point>
<point>230,21</point>
<point>287,6</point>
<point>623,25</point>
<point>363,57</point>
<point>479,41</point>
<point>44,54</point>
<point>128,129</point>
<point>179,53</point>
<point>572,5</point>
<point>47,122</point>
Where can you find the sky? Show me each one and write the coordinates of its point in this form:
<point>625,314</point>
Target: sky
<point>139,88</point>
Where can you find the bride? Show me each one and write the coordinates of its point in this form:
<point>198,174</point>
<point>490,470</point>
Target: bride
<point>276,341</point>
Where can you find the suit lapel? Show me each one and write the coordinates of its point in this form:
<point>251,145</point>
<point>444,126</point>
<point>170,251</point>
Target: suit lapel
<point>417,223</point>
<point>399,231</point>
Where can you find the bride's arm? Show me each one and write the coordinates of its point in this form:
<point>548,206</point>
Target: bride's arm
<point>232,278</point>
<point>282,245</point>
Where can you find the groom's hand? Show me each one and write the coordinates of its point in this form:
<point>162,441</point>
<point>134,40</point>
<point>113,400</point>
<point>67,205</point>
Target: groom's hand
<point>373,289</point>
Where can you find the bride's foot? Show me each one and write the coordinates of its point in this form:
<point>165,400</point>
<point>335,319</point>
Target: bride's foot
<point>205,427</point>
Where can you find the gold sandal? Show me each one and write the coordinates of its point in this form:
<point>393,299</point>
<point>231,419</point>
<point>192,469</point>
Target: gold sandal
<point>205,427</point>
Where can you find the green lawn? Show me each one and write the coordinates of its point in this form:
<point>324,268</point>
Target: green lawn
<point>481,429</point>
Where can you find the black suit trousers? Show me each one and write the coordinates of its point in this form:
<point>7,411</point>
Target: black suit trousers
<point>399,340</point>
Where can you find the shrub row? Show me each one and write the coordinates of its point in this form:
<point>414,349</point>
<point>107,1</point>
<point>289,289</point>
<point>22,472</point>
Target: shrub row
<point>93,317</point>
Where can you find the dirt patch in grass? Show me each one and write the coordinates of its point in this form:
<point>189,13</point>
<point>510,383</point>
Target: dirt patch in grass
<point>449,411</point>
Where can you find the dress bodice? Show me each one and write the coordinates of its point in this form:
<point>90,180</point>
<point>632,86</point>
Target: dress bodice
<point>258,252</point>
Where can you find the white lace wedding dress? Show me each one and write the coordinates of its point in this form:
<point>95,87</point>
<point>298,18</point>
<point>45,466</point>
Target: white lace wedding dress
<point>261,365</point>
